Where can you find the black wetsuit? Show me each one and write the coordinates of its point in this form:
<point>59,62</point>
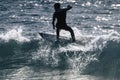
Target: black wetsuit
<point>60,15</point>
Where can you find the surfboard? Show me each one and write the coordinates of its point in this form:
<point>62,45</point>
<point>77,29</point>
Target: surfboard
<point>52,37</point>
<point>49,37</point>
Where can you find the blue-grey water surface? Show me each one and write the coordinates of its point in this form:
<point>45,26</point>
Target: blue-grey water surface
<point>95,55</point>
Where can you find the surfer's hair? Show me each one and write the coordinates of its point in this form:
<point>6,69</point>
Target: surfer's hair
<point>57,6</point>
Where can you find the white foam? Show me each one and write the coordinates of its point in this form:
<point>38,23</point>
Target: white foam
<point>115,5</point>
<point>90,42</point>
<point>15,34</point>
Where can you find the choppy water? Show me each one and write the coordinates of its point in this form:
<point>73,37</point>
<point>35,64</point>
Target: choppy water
<point>24,55</point>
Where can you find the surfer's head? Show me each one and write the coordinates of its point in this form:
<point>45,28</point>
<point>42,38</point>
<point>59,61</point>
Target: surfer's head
<point>57,6</point>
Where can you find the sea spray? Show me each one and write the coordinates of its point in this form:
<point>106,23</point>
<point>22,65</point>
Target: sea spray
<point>14,34</point>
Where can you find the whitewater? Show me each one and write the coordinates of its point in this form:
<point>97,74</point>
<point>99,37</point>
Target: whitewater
<point>25,55</point>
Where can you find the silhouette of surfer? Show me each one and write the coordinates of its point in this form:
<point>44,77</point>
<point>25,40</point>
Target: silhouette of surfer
<point>59,17</point>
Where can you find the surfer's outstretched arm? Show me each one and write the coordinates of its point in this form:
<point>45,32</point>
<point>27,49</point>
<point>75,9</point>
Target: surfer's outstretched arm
<point>53,22</point>
<point>68,8</point>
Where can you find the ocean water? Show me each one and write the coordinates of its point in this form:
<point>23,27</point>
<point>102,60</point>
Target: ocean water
<point>95,55</point>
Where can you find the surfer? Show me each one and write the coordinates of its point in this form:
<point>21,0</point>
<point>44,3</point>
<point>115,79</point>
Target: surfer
<point>60,16</point>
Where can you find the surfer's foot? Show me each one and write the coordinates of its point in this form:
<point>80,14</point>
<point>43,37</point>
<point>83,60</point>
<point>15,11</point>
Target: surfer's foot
<point>73,40</point>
